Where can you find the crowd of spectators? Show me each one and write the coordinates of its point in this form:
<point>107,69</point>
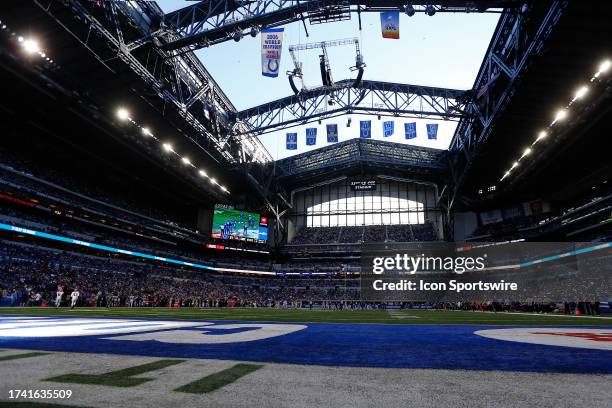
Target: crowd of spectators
<point>84,231</point>
<point>30,275</point>
<point>424,232</point>
<point>508,229</point>
<point>362,234</point>
<point>595,207</point>
<point>64,187</point>
<point>399,233</point>
<point>592,307</point>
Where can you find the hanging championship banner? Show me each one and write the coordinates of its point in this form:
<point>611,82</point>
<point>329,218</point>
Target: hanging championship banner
<point>332,133</point>
<point>365,129</point>
<point>311,136</point>
<point>388,128</point>
<point>432,131</point>
<point>410,130</point>
<point>389,24</point>
<point>271,47</point>
<point>291,141</point>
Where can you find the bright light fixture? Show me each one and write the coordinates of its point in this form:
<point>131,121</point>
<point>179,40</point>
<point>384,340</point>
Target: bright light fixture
<point>561,114</point>
<point>123,114</point>
<point>212,180</point>
<point>146,132</point>
<point>202,173</point>
<point>185,160</point>
<point>167,147</point>
<point>581,92</point>
<point>30,46</point>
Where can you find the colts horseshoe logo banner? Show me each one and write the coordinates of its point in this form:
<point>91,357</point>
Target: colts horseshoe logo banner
<point>432,131</point>
<point>410,130</point>
<point>291,141</point>
<point>332,133</point>
<point>365,129</point>
<point>311,136</point>
<point>271,47</point>
<point>388,128</point>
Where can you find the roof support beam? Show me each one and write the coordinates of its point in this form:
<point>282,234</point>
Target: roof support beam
<point>368,97</point>
<point>210,22</point>
<point>515,42</point>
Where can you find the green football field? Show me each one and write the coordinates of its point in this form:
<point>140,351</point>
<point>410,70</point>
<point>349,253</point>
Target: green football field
<point>324,316</point>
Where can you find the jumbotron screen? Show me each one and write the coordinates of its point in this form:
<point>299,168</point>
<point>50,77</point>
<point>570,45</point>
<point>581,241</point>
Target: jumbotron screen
<point>232,224</point>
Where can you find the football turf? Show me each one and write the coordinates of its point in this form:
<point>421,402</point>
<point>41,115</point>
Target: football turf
<point>324,316</point>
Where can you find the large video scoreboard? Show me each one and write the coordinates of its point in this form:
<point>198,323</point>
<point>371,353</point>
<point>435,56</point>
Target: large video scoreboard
<point>231,224</point>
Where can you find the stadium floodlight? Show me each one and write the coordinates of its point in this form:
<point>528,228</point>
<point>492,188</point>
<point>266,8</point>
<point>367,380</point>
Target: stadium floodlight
<point>580,93</point>
<point>146,132</point>
<point>541,136</point>
<point>202,173</point>
<point>30,46</point>
<point>526,152</point>
<point>223,188</point>
<point>213,181</point>
<point>123,114</point>
<point>603,68</point>
<point>254,31</point>
<point>167,147</point>
<point>237,36</point>
<point>409,10</point>
<point>186,160</point>
<point>561,114</point>
<point>514,165</point>
<point>430,10</point>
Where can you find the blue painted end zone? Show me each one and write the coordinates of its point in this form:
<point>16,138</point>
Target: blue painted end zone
<point>362,345</point>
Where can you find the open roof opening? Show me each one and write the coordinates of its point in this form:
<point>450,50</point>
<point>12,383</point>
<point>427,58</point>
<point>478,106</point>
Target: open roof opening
<point>444,50</point>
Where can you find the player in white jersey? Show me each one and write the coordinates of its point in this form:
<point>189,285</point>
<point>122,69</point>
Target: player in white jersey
<point>58,296</point>
<point>74,296</point>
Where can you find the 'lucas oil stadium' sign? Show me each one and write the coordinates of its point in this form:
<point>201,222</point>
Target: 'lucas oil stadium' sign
<point>363,185</point>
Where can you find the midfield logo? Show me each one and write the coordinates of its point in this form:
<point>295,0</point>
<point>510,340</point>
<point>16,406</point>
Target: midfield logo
<point>582,335</point>
<point>177,332</point>
<point>599,339</point>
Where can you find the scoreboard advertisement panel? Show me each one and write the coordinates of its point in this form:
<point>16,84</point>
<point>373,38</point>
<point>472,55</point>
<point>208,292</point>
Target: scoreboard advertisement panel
<point>231,224</point>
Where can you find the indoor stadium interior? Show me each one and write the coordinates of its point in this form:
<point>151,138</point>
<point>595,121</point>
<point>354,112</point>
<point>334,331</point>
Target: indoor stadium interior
<point>195,197</point>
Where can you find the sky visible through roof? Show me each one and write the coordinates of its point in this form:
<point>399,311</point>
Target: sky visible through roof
<point>444,50</point>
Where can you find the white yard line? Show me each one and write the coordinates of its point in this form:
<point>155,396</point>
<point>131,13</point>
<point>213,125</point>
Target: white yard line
<point>396,314</point>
